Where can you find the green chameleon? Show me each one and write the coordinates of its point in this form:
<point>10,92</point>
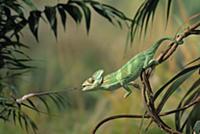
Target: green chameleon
<point>125,76</point>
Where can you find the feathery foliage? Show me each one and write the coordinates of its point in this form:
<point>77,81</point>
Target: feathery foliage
<point>145,13</point>
<point>14,61</point>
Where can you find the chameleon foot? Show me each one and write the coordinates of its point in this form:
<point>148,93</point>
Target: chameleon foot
<point>127,94</point>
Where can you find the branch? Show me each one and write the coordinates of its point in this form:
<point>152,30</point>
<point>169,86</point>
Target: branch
<point>192,30</point>
<point>30,95</point>
<point>149,103</point>
<point>114,117</point>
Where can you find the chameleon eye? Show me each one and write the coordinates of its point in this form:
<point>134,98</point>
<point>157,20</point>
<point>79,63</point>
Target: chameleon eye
<point>90,80</point>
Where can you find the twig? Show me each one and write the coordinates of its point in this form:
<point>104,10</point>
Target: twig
<point>30,95</point>
<point>120,116</point>
<point>192,30</point>
<point>149,103</point>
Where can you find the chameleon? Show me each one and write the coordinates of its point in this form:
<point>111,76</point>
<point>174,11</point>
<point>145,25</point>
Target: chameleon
<point>124,76</point>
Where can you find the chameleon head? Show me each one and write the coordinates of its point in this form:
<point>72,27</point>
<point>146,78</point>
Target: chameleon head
<point>94,82</point>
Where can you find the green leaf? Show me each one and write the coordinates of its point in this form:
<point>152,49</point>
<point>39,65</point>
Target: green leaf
<point>183,72</point>
<point>25,123</point>
<point>192,118</point>
<point>191,99</point>
<point>50,13</point>
<point>101,10</point>
<point>3,111</point>
<point>7,11</point>
<point>33,21</point>
<point>24,120</point>
<point>33,105</point>
<point>117,15</point>
<point>33,125</point>
<point>196,127</point>
<point>116,12</point>
<point>19,26</point>
<point>173,88</point>
<point>60,99</point>
<point>178,115</point>
<point>193,61</point>
<point>30,4</point>
<point>63,15</point>
<point>168,9</point>
<point>14,116</point>
<point>54,99</point>
<point>23,54</point>
<point>74,12</point>
<point>16,7</point>
<point>12,43</point>
<point>45,103</point>
<point>19,119</point>
<point>142,17</point>
<point>87,14</point>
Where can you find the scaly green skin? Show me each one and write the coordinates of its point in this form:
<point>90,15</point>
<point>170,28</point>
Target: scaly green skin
<point>124,76</point>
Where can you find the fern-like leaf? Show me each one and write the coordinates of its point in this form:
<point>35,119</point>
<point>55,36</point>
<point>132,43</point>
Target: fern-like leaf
<point>145,12</point>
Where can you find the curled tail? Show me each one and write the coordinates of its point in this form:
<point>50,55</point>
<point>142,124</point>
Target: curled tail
<point>160,41</point>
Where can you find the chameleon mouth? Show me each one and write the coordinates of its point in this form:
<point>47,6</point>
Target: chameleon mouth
<point>85,87</point>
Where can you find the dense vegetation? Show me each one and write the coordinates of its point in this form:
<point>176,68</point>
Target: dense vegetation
<point>23,71</point>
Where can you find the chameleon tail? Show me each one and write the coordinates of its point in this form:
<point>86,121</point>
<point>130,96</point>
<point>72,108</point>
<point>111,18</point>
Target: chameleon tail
<point>155,46</point>
<point>160,41</point>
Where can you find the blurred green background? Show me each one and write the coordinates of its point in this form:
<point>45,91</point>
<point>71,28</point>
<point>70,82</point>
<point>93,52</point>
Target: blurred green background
<point>74,56</point>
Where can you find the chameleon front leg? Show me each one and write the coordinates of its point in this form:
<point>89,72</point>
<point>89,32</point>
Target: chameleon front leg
<point>128,91</point>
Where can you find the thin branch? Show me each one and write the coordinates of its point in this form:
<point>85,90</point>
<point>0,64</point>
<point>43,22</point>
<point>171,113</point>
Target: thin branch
<point>196,32</point>
<point>120,116</point>
<point>37,94</point>
<point>149,103</point>
<point>192,30</point>
<point>30,95</point>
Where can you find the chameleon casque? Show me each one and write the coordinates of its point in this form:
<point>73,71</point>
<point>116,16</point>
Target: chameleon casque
<point>125,75</point>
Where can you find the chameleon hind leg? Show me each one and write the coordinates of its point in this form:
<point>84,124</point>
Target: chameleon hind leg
<point>135,85</point>
<point>151,63</point>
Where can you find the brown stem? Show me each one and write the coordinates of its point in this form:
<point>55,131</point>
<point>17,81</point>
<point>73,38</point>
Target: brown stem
<point>149,103</point>
<point>192,30</point>
<point>120,116</point>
